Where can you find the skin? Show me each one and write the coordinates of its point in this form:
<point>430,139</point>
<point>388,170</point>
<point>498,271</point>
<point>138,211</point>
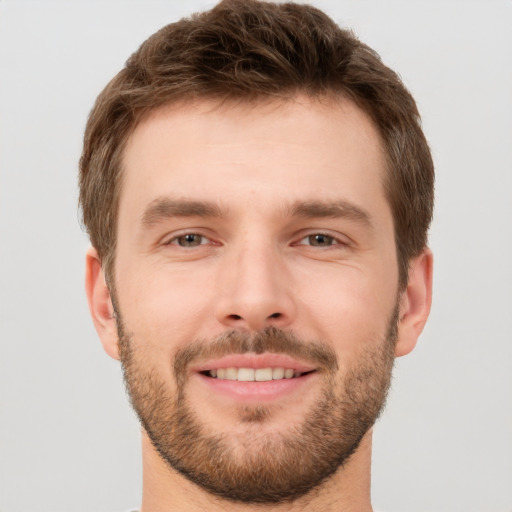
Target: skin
<point>257,264</point>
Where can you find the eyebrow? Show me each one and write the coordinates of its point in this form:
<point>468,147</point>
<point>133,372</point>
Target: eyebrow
<point>163,208</point>
<point>331,209</point>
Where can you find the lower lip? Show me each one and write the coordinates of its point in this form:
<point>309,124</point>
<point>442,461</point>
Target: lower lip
<point>265,391</point>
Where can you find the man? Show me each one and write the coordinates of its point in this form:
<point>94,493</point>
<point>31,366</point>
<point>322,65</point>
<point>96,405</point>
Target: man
<point>257,190</point>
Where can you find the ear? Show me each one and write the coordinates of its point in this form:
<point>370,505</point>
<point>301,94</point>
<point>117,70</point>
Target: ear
<point>100,304</point>
<point>415,302</point>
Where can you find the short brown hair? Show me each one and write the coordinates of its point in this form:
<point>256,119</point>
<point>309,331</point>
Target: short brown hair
<point>247,50</point>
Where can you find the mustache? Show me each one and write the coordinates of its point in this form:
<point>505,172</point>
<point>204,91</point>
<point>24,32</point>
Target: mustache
<point>270,339</point>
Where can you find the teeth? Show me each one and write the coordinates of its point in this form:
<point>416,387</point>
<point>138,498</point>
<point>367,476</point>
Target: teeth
<point>288,374</point>
<point>263,374</point>
<point>246,374</point>
<point>231,373</point>
<point>253,375</point>
<point>278,373</point>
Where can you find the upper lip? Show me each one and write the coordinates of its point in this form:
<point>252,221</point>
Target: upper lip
<point>251,360</point>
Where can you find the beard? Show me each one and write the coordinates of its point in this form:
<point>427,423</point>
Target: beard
<point>261,466</point>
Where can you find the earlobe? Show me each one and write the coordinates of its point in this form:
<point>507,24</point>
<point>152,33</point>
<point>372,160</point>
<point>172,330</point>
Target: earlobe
<point>100,304</point>
<point>415,302</point>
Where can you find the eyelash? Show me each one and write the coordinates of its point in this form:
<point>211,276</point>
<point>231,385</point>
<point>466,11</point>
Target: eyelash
<point>175,240</point>
<point>332,240</point>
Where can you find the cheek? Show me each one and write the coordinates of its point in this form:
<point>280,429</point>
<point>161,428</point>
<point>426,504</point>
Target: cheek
<point>349,307</point>
<point>165,308</point>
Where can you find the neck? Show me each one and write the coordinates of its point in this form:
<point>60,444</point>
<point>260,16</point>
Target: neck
<point>164,489</point>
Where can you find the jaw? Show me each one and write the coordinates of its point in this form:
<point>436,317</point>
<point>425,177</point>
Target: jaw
<point>347,489</point>
<point>300,441</point>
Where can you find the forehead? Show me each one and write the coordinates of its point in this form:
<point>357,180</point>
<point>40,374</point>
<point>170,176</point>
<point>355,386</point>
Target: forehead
<point>298,149</point>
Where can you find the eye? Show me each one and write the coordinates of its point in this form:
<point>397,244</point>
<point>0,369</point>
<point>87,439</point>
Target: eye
<point>188,240</point>
<point>319,240</point>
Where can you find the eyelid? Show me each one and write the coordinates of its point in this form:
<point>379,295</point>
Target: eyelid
<point>174,240</point>
<point>339,239</point>
<point>171,238</point>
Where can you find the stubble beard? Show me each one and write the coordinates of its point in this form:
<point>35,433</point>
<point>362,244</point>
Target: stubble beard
<point>256,468</point>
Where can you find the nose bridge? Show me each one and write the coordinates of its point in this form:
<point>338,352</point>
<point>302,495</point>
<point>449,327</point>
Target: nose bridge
<point>255,269</point>
<point>254,292</point>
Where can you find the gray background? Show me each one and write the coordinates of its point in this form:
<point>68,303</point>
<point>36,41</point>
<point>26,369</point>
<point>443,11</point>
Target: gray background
<point>68,440</point>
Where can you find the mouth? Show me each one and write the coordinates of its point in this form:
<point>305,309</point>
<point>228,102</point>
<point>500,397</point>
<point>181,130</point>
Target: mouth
<point>255,377</point>
<point>254,374</point>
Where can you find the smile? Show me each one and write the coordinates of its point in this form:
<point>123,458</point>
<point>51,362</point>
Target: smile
<point>253,374</point>
<point>255,378</point>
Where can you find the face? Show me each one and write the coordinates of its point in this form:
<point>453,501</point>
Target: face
<point>256,288</point>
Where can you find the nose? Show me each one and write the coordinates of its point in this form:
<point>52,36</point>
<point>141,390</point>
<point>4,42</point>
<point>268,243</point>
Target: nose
<point>255,290</point>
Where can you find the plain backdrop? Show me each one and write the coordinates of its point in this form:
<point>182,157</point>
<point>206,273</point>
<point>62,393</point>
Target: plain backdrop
<point>68,440</point>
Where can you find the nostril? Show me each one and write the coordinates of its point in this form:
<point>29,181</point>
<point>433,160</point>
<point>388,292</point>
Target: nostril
<point>253,319</point>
